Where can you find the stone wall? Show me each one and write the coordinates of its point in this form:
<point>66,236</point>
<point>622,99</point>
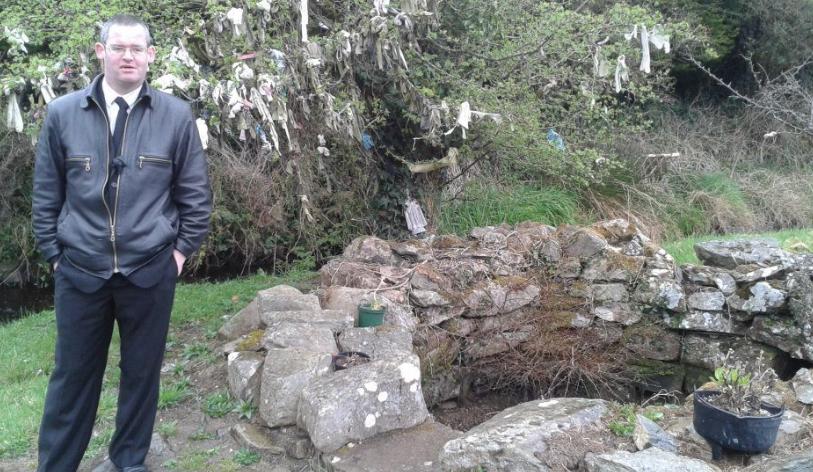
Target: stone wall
<point>469,302</point>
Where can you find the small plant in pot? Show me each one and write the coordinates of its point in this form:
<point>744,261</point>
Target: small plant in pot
<point>733,416</point>
<point>371,313</point>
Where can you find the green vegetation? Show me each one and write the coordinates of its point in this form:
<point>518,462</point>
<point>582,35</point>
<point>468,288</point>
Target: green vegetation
<point>218,405</point>
<point>792,240</point>
<point>622,420</point>
<point>246,457</point>
<point>26,347</point>
<point>486,206</point>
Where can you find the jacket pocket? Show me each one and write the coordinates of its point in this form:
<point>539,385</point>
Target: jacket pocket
<point>82,162</point>
<point>153,160</point>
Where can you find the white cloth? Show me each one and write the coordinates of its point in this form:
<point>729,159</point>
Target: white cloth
<point>416,222</point>
<point>110,96</point>
<point>645,50</point>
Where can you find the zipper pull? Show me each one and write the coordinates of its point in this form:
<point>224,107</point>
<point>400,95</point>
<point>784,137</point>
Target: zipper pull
<point>140,162</point>
<point>113,233</point>
<point>87,164</point>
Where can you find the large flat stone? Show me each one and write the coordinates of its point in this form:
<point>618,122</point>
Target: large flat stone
<point>648,460</point>
<point>516,439</point>
<point>710,350</point>
<point>407,450</point>
<point>362,401</point>
<point>381,342</point>
<point>285,373</point>
<point>301,336</point>
<point>285,298</point>
<point>243,322</point>
<point>244,373</point>
<point>335,320</point>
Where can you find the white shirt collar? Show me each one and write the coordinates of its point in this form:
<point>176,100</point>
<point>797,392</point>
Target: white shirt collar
<point>110,95</point>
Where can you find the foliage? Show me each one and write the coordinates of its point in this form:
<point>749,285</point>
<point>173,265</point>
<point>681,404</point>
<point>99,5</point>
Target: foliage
<point>741,391</point>
<point>486,206</point>
<point>683,249</point>
<point>218,405</point>
<point>246,457</point>
<point>319,155</point>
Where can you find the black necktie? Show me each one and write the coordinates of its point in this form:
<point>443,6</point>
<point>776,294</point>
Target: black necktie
<point>118,131</point>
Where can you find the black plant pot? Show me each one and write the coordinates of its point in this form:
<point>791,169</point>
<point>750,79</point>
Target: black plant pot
<point>725,430</point>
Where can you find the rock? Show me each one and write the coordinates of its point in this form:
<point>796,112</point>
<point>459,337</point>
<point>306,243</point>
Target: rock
<point>709,351</point>
<point>716,322</point>
<point>463,272</point>
<point>501,342</point>
<point>301,336</point>
<point>358,403</point>
<point>412,249</point>
<point>569,268</point>
<point>710,277</point>
<point>648,434</point>
<point>619,313</point>
<point>763,299</point>
<point>408,450</point>
<point>517,438</point>
<point>436,315</point>
<point>799,462</point>
<point>285,374</point>
<point>800,303</point>
<point>803,386</point>
<point>653,342</point>
<point>427,298</point>
<point>244,373</point>
<point>603,293</point>
<point>426,277</point>
<point>243,322</point>
<point>369,249</point>
<point>617,231</point>
<point>360,275</point>
<point>730,254</point>
<point>335,320</point>
<point>761,273</point>
<point>441,384</point>
<point>583,243</point>
<point>256,438</point>
<point>689,442</point>
<point>293,440</point>
<point>381,342</point>
<point>793,428</point>
<point>493,298</point>
<point>660,291</point>
<point>250,342</point>
<point>612,266</point>
<point>648,460</point>
<point>285,298</point>
<point>706,300</point>
<point>783,333</point>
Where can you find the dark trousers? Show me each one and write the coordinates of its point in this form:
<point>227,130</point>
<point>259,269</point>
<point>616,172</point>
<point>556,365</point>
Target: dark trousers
<point>84,329</point>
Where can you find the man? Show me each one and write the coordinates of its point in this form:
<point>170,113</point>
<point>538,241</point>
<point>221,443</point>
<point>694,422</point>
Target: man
<point>121,199</point>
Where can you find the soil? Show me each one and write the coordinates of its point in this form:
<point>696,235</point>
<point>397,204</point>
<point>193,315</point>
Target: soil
<point>464,415</point>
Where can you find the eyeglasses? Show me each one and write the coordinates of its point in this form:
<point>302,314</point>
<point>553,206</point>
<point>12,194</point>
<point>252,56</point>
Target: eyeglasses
<point>118,50</point>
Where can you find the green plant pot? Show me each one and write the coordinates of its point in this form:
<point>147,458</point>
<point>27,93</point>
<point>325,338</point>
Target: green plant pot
<point>369,316</point>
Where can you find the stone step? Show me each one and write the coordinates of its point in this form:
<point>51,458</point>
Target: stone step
<point>406,450</point>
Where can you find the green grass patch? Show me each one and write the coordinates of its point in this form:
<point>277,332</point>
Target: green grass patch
<point>218,405</point>
<point>487,206</point>
<point>790,240</point>
<point>27,353</point>
<point>246,457</point>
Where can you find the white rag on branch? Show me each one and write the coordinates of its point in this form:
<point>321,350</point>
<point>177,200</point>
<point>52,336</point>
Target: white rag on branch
<point>416,222</point>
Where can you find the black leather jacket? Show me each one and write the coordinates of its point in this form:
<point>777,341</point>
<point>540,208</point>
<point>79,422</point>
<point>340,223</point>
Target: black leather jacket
<point>162,197</point>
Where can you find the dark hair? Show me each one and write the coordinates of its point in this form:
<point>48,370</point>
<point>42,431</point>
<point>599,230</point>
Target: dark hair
<point>123,20</point>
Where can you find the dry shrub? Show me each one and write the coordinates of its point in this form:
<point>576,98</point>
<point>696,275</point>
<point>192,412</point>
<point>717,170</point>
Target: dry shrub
<point>783,200</point>
<point>558,360</point>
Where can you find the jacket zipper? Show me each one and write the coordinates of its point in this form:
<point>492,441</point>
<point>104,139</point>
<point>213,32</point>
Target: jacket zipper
<point>111,216</point>
<point>143,159</point>
<point>86,160</point>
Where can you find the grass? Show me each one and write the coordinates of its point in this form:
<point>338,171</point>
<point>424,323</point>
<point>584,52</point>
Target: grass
<point>218,405</point>
<point>487,206</point>
<point>683,249</point>
<point>27,353</point>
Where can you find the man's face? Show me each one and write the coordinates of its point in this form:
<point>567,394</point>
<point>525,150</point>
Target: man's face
<point>126,57</point>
